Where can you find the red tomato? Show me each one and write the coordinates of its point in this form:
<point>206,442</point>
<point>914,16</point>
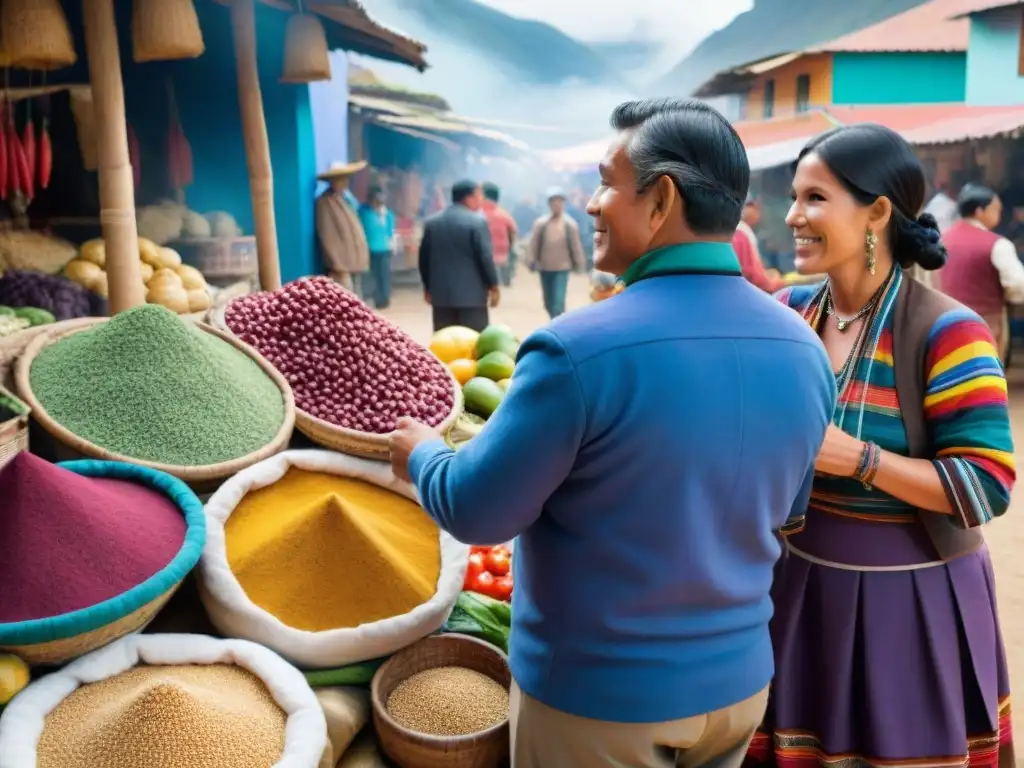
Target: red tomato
<point>498,562</point>
<point>474,569</point>
<point>483,550</point>
<point>483,583</point>
<point>502,588</point>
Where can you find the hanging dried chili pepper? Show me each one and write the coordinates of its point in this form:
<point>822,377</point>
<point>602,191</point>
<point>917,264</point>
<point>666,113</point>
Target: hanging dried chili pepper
<point>28,148</point>
<point>45,159</point>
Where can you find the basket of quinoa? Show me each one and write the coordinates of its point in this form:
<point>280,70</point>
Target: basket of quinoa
<point>76,573</point>
<point>353,372</point>
<point>151,388</point>
<point>151,701</point>
<point>327,559</point>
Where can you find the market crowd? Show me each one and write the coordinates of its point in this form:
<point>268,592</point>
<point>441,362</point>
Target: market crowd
<point>748,524</point>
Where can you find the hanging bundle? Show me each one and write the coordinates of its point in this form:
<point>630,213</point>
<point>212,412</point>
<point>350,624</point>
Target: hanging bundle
<point>306,58</point>
<point>36,34</point>
<point>166,30</point>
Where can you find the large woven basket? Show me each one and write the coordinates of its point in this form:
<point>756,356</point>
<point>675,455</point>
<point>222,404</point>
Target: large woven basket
<point>58,639</point>
<point>14,431</point>
<point>166,30</point>
<point>36,34</point>
<point>202,479</point>
<point>306,56</point>
<point>12,346</point>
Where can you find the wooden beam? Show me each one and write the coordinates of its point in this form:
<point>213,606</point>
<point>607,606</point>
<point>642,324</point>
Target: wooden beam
<point>117,190</point>
<point>257,146</point>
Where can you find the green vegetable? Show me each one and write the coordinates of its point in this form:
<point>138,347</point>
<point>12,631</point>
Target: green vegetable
<point>495,366</point>
<point>4,310</point>
<point>482,396</point>
<point>483,617</point>
<point>353,674</point>
<point>149,385</point>
<point>35,316</point>
<point>496,338</point>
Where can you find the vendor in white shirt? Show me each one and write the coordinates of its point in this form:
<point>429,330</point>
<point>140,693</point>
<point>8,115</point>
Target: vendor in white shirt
<point>983,270</point>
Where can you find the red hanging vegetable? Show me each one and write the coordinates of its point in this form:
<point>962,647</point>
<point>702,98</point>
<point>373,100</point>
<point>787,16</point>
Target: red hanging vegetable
<point>45,155</point>
<point>28,149</point>
<point>134,157</point>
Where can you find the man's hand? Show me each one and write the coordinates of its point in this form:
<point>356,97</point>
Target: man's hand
<point>407,435</point>
<point>493,295</point>
<point>426,297</point>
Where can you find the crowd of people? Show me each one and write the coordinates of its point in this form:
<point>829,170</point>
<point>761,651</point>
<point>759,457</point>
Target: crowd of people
<point>747,526</point>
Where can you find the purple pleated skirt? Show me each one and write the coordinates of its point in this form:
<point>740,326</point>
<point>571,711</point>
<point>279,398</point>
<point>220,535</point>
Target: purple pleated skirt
<point>884,656</point>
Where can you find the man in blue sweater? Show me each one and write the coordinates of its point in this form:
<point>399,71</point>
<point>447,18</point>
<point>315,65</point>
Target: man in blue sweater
<point>648,449</point>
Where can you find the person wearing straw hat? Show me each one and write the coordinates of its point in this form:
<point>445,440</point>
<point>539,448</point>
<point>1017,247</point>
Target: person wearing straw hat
<point>343,246</point>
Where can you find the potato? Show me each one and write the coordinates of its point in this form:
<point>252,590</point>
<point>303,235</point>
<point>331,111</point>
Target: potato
<point>191,277</point>
<point>94,251</point>
<point>198,300</point>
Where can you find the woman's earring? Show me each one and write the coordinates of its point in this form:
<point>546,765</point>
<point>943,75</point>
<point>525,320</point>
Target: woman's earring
<point>870,241</point>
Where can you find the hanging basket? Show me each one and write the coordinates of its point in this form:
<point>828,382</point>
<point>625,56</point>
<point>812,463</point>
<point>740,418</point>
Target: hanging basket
<point>36,34</point>
<point>166,30</point>
<point>306,58</point>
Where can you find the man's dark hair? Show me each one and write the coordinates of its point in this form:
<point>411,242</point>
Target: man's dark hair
<point>698,149</point>
<point>462,190</point>
<point>972,197</point>
<point>491,191</point>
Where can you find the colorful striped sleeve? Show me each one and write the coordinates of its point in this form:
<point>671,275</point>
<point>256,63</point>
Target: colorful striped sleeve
<point>967,412</point>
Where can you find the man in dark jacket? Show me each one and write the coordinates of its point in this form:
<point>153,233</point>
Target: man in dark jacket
<point>456,262</point>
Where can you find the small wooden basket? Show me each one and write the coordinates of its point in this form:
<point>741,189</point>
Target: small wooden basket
<point>14,431</point>
<point>410,749</point>
<point>36,34</point>
<point>202,479</point>
<point>306,56</point>
<point>166,30</point>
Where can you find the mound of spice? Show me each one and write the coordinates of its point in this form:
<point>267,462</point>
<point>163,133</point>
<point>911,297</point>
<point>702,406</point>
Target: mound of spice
<point>69,542</point>
<point>152,386</point>
<point>347,365</point>
<point>448,701</point>
<point>202,716</point>
<point>321,552</point>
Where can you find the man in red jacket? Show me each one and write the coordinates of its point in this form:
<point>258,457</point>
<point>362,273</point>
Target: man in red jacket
<point>744,242</point>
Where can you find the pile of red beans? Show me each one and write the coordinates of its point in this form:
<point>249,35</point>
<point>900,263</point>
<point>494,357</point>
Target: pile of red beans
<point>346,364</point>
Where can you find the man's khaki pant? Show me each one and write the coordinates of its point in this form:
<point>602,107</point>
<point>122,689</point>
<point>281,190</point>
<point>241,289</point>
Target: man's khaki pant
<point>543,737</point>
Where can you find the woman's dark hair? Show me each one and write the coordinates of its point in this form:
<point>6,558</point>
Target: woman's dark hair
<point>491,191</point>
<point>463,190</point>
<point>698,149</point>
<point>872,161</point>
<point>972,197</point>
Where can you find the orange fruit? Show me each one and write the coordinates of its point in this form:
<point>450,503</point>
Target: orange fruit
<point>463,369</point>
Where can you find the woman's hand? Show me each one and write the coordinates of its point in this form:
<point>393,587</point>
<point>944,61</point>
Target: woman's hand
<point>840,454</point>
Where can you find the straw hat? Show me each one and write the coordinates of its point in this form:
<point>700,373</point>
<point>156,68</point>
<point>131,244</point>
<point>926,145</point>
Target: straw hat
<point>342,169</point>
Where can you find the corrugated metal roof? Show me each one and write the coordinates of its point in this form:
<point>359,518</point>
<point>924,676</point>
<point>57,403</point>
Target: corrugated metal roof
<point>934,26</point>
<point>756,133</point>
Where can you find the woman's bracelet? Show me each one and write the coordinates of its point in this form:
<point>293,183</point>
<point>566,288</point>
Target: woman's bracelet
<point>870,458</point>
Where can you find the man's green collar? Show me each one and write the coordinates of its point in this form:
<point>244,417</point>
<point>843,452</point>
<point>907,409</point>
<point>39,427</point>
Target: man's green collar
<point>686,259</point>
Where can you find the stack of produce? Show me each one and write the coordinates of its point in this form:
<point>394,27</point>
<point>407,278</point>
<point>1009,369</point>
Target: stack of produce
<point>17,319</point>
<point>347,365</point>
<point>36,251</point>
<point>490,572</point>
<point>60,297</point>
<point>169,283</point>
<point>148,385</point>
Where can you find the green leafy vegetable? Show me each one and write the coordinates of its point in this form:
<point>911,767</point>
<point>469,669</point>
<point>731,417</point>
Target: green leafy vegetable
<point>353,674</point>
<point>483,617</point>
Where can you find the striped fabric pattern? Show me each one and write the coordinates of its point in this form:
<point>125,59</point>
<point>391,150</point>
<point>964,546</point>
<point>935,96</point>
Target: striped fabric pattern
<point>965,407</point>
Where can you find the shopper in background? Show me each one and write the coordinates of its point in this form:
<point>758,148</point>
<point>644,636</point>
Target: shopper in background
<point>379,225</point>
<point>555,250</point>
<point>503,232</point>
<point>343,246</point>
<point>745,243</point>
<point>983,271</point>
<point>456,265</point>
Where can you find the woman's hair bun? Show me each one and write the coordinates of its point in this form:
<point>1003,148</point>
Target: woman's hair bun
<point>919,242</point>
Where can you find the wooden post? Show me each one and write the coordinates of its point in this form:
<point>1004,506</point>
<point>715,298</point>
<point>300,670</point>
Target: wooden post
<point>257,147</point>
<point>117,190</point>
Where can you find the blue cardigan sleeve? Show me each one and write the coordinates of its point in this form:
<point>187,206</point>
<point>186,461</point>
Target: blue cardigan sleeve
<point>496,486</point>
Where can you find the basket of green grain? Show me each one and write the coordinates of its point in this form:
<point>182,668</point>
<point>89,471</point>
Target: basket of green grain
<point>153,389</point>
<point>151,701</point>
<point>444,701</point>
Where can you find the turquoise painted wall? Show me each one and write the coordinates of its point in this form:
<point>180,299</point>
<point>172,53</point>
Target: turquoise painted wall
<point>898,78</point>
<point>993,77</point>
<point>328,102</point>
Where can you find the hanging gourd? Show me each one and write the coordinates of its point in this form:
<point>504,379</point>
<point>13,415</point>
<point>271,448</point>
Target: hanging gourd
<point>166,30</point>
<point>36,34</point>
<point>306,58</point>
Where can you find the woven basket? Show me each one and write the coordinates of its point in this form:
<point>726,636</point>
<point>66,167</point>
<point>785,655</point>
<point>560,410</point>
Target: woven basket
<point>12,346</point>
<point>410,749</point>
<point>13,432</point>
<point>166,30</point>
<point>306,56</point>
<point>36,34</point>
<point>59,639</point>
<point>202,479</point>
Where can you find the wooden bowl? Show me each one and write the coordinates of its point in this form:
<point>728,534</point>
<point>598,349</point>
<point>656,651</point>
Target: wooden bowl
<point>410,749</point>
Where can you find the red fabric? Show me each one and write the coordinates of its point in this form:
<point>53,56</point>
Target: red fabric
<point>969,276</point>
<point>503,228</point>
<point>69,542</point>
<point>751,264</point>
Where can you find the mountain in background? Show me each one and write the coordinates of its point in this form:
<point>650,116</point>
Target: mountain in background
<point>770,28</point>
<point>633,58</point>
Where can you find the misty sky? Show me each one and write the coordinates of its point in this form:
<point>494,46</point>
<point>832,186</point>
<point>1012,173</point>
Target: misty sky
<point>679,24</point>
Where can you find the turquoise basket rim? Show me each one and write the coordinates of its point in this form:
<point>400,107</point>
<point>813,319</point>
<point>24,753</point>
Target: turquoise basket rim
<point>66,625</point>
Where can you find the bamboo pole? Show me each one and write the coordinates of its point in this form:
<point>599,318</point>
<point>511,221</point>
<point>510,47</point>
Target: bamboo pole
<point>117,190</point>
<point>257,146</point>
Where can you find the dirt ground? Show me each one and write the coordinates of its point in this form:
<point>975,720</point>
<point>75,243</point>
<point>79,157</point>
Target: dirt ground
<point>522,309</point>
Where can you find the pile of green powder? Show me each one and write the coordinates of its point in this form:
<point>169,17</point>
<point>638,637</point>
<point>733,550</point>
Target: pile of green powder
<point>152,386</point>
